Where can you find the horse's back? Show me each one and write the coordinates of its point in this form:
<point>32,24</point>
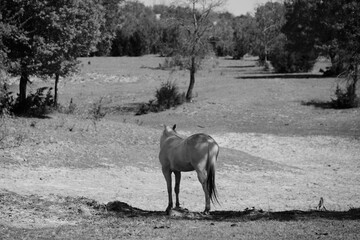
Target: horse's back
<point>200,140</point>
<point>200,145</point>
<point>187,154</point>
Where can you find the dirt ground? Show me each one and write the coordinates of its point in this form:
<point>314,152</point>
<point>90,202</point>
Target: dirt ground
<point>277,156</point>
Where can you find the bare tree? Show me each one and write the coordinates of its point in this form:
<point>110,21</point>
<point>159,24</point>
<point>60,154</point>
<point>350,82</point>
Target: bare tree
<point>196,25</point>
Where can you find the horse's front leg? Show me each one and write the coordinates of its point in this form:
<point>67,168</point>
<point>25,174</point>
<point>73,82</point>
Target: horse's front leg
<point>177,187</point>
<point>167,175</point>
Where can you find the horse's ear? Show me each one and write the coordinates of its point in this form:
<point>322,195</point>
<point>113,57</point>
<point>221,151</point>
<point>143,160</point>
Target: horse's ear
<point>174,127</point>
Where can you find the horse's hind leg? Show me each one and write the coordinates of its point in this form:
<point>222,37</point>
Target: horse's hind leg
<point>202,176</point>
<point>177,187</point>
<point>167,175</point>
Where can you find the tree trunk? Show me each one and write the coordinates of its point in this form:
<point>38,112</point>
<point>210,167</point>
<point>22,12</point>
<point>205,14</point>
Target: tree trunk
<point>22,90</point>
<point>354,81</point>
<point>56,90</point>
<point>189,94</point>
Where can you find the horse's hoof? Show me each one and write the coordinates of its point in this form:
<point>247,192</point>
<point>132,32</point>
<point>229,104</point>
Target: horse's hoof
<point>206,213</point>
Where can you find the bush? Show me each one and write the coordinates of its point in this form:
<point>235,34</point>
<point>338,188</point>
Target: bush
<point>345,98</point>
<point>36,104</point>
<point>285,60</point>
<point>175,61</point>
<point>96,111</point>
<point>7,100</point>
<point>167,96</point>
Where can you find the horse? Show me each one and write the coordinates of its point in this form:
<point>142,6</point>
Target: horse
<point>198,152</point>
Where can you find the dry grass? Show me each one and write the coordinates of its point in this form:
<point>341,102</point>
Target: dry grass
<point>277,154</point>
<point>80,218</point>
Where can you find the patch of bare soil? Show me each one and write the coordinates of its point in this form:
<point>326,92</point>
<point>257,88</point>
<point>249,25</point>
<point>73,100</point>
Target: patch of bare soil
<point>115,162</point>
<point>56,217</point>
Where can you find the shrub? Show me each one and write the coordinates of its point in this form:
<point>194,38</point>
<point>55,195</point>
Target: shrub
<point>285,60</point>
<point>147,107</point>
<point>36,104</point>
<point>7,100</point>
<point>96,111</point>
<point>345,98</point>
<point>167,96</point>
<point>175,61</point>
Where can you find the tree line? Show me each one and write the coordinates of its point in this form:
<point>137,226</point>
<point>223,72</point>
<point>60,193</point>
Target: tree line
<point>45,38</point>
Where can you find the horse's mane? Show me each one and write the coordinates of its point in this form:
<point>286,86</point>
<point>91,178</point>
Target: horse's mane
<point>175,133</point>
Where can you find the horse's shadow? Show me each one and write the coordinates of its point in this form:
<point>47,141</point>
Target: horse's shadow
<point>125,210</point>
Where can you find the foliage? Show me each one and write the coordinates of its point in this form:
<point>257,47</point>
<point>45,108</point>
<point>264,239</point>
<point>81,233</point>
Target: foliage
<point>196,27</point>
<point>270,18</point>
<point>286,61</point>
<point>164,30</point>
<point>45,37</point>
<point>137,31</point>
<point>222,34</point>
<point>330,28</point>
<point>167,96</point>
<point>174,62</point>
<point>244,35</point>
<point>109,26</point>
<point>96,111</point>
<point>7,100</point>
<point>38,104</point>
<point>344,98</point>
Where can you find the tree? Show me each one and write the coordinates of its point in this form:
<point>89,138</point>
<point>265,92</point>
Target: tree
<point>136,33</point>
<point>222,35</point>
<point>74,33</point>
<point>245,31</point>
<point>195,34</point>
<point>48,37</point>
<point>330,28</point>
<point>112,17</point>
<point>270,18</point>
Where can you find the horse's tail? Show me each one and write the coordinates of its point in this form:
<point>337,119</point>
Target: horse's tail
<point>213,152</point>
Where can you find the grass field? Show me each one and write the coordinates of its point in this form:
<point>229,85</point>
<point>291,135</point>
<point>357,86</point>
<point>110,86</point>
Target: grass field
<point>72,176</point>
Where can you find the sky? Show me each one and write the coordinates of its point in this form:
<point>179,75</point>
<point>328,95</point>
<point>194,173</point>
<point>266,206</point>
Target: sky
<point>236,7</point>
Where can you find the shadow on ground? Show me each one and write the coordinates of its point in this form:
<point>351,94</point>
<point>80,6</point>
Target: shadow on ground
<point>319,104</point>
<point>20,208</point>
<point>252,214</point>
<point>281,75</point>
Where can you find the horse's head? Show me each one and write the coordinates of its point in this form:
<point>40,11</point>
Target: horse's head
<point>168,131</point>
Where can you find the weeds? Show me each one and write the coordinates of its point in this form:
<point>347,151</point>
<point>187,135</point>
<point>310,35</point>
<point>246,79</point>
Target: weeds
<point>70,109</point>
<point>96,111</point>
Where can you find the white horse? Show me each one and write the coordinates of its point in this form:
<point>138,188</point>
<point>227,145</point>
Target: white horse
<point>198,152</point>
